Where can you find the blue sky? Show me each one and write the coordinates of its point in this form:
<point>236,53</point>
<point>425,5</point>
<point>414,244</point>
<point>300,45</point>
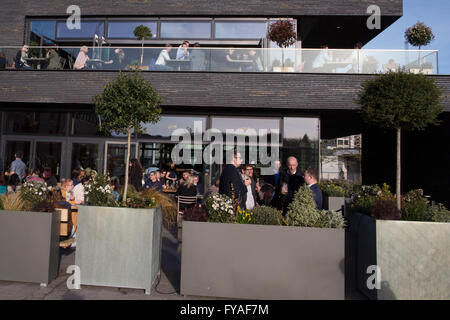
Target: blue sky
<point>434,13</point>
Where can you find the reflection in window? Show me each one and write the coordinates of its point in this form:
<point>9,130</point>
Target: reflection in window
<point>185,30</point>
<point>240,30</point>
<point>168,124</point>
<point>301,140</point>
<point>125,29</point>
<point>53,123</point>
<point>84,155</point>
<point>245,123</point>
<point>87,31</point>
<point>44,29</point>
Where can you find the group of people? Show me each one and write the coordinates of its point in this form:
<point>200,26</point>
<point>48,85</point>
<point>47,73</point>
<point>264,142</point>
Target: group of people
<point>18,173</point>
<point>242,188</point>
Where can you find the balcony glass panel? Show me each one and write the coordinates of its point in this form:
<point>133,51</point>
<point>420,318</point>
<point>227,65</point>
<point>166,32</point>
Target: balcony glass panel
<point>240,30</point>
<point>125,29</point>
<point>222,59</point>
<point>185,30</point>
<point>87,31</point>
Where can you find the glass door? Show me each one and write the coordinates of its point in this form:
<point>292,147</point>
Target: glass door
<point>13,146</point>
<point>48,155</point>
<point>115,157</point>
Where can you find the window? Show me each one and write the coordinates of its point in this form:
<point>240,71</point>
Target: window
<point>87,31</point>
<point>53,123</point>
<point>240,30</point>
<point>44,29</point>
<point>125,29</point>
<point>168,124</point>
<point>185,30</point>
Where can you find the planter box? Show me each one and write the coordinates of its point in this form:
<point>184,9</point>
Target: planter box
<point>333,203</point>
<point>413,258</point>
<point>262,262</point>
<point>29,246</point>
<point>119,247</point>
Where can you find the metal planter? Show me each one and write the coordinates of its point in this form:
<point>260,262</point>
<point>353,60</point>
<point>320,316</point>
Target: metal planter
<point>262,262</point>
<point>119,247</point>
<point>413,258</point>
<point>29,246</point>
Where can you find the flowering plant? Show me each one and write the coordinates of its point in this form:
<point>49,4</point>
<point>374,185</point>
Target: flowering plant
<point>243,216</point>
<point>98,191</point>
<point>220,208</point>
<point>34,192</point>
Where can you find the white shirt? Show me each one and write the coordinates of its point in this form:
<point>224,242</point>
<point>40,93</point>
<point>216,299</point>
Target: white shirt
<point>181,55</point>
<point>162,58</point>
<point>250,203</point>
<point>78,193</point>
<point>322,58</point>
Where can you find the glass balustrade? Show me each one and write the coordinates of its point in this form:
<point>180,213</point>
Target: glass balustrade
<point>173,59</point>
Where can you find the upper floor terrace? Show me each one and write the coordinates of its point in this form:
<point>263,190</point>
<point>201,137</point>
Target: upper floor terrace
<point>208,59</point>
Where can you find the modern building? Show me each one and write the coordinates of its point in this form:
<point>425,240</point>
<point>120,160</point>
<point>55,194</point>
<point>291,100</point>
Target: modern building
<point>305,92</point>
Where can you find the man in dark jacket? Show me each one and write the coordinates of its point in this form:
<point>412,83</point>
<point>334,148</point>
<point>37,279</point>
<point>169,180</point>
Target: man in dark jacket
<point>311,178</point>
<point>231,183</point>
<point>289,182</point>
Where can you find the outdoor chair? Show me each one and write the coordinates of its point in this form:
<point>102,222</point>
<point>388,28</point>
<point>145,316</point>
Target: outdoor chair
<point>187,202</point>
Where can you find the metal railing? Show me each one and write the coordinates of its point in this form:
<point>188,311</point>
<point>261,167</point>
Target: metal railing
<point>220,59</point>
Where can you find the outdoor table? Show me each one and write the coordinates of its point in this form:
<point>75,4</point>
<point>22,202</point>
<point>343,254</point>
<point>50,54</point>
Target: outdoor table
<point>242,63</point>
<point>36,62</point>
<point>95,63</point>
<point>332,66</point>
<point>179,64</point>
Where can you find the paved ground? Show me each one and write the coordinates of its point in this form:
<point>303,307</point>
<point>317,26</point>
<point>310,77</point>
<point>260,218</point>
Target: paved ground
<point>167,289</point>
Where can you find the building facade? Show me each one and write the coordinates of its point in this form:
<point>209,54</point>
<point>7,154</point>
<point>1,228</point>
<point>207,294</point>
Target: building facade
<point>48,114</point>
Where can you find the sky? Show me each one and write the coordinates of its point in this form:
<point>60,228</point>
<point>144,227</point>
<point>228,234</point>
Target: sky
<point>435,14</point>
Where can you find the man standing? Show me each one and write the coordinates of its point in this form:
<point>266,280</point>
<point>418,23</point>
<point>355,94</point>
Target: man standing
<point>289,182</point>
<point>231,183</point>
<point>17,166</point>
<point>311,178</point>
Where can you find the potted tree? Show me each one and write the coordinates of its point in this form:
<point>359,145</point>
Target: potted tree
<point>142,32</point>
<point>258,254</point>
<point>283,33</point>
<point>119,242</point>
<point>29,235</point>
<point>419,35</point>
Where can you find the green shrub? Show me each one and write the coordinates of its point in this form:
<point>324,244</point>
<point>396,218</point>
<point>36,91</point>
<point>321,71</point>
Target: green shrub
<point>220,208</point>
<point>332,190</point>
<point>439,213</point>
<point>302,212</point>
<point>415,206</point>
<point>266,216</point>
<point>365,200</point>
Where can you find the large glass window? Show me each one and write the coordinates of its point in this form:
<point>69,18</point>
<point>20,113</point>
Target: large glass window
<point>301,140</point>
<point>186,30</point>
<point>52,123</point>
<point>125,29</point>
<point>168,124</point>
<point>44,29</point>
<point>87,31</point>
<point>85,155</point>
<point>240,30</point>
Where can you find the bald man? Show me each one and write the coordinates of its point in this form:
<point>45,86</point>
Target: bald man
<point>289,182</point>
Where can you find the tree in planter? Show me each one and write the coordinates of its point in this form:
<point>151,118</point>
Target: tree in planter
<point>401,101</point>
<point>282,32</point>
<point>142,32</point>
<point>124,104</point>
<point>419,35</point>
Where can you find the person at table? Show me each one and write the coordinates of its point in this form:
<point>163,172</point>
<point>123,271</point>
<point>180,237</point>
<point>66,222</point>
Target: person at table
<point>2,60</point>
<point>187,189</point>
<point>183,52</point>
<point>324,57</point>
<point>118,60</point>
<point>35,176</point>
<point>230,59</point>
<point>171,175</point>
<point>49,178</point>
<point>198,58</point>
<point>153,182</point>
<point>256,59</point>
<point>53,58</point>
<point>198,185</point>
<point>67,191</point>
<point>82,59</point>
<point>20,62</point>
<point>161,62</point>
